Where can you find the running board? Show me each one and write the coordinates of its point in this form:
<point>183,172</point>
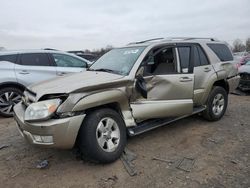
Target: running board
<point>155,123</point>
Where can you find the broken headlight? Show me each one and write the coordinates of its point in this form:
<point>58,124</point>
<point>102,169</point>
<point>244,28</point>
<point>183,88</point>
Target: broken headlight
<point>41,110</point>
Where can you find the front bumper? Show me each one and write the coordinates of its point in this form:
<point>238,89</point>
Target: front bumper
<point>244,84</point>
<point>62,132</point>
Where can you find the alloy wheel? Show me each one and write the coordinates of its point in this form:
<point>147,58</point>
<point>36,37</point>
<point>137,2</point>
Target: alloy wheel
<point>7,101</point>
<point>218,104</point>
<point>108,134</point>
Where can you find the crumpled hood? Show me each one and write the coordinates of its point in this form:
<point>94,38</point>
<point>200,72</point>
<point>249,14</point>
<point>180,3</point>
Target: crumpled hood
<point>75,82</point>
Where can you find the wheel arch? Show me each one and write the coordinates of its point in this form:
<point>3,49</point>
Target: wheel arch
<point>114,99</point>
<point>13,84</point>
<point>222,83</point>
<point>214,82</point>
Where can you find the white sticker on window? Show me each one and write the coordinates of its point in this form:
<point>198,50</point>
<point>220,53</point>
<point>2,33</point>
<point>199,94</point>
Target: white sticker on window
<point>131,52</point>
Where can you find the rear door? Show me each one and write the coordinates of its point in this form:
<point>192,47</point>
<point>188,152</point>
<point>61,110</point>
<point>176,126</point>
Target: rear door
<point>170,91</point>
<point>203,72</point>
<point>67,64</point>
<point>33,68</point>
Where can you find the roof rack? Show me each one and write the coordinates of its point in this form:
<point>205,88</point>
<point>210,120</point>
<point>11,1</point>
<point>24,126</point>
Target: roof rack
<point>175,38</point>
<point>192,38</point>
<point>139,42</point>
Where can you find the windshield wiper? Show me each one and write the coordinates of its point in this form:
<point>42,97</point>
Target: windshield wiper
<point>106,70</point>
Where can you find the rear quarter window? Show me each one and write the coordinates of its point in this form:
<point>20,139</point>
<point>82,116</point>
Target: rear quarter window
<point>10,58</point>
<point>222,51</point>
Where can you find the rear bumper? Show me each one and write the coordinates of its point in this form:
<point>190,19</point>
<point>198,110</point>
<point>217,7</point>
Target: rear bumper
<point>55,133</point>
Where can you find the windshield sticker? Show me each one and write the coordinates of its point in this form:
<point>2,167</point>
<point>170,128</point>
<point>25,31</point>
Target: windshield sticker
<point>131,52</point>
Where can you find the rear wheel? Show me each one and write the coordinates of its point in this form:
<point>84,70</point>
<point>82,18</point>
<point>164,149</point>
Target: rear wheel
<point>216,104</point>
<point>9,96</point>
<point>102,136</point>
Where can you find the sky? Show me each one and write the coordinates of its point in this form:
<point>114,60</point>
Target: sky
<point>92,24</point>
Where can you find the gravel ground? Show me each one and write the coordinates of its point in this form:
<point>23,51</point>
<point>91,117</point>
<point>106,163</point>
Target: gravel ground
<point>197,153</point>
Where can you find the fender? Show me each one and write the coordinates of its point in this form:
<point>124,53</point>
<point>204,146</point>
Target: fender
<point>107,97</point>
<point>15,84</point>
<point>212,80</point>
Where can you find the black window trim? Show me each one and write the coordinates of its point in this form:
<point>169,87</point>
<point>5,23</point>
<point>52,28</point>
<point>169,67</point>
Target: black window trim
<point>204,52</point>
<point>191,65</point>
<point>16,59</point>
<point>222,60</point>
<point>191,57</point>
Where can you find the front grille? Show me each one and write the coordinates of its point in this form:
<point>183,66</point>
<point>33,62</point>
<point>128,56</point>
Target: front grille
<point>245,76</point>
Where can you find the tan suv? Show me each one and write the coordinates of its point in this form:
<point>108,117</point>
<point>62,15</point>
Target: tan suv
<point>128,91</point>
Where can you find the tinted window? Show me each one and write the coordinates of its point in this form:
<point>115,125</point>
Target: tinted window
<point>184,54</point>
<point>62,60</point>
<point>35,59</point>
<point>203,57</point>
<point>10,58</point>
<point>196,57</point>
<point>222,51</point>
<point>199,57</point>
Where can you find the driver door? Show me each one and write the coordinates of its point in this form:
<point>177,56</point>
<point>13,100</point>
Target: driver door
<point>169,91</point>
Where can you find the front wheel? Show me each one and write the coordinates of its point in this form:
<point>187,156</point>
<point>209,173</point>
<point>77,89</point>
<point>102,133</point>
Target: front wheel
<point>216,104</point>
<point>9,97</point>
<point>102,136</point>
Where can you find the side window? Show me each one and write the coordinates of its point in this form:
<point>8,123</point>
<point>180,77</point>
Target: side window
<point>197,61</point>
<point>184,54</point>
<point>62,60</point>
<point>160,62</point>
<point>35,59</point>
<point>10,58</point>
<point>222,51</point>
<point>203,57</point>
<point>200,58</point>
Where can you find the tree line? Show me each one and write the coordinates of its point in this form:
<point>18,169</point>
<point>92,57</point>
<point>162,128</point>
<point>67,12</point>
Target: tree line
<point>237,46</point>
<point>240,46</point>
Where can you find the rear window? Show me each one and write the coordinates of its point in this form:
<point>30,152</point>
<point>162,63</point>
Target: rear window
<point>35,59</point>
<point>10,58</point>
<point>222,51</point>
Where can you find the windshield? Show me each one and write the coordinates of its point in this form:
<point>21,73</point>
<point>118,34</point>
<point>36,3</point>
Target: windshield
<point>119,61</point>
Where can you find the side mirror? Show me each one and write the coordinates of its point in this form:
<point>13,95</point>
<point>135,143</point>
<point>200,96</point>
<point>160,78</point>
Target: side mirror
<point>140,86</point>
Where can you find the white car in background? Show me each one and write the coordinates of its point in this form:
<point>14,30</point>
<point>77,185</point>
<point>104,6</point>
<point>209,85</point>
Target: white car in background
<point>19,69</point>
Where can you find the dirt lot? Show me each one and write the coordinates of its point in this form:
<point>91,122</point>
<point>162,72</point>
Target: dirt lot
<point>216,153</point>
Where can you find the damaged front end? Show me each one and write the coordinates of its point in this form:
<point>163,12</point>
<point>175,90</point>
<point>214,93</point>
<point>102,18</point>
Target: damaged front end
<point>244,84</point>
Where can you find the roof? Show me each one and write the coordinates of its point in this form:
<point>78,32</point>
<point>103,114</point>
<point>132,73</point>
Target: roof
<point>11,52</point>
<point>29,51</point>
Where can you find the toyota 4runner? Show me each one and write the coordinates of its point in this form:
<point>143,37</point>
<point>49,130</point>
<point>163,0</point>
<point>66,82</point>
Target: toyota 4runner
<point>128,91</point>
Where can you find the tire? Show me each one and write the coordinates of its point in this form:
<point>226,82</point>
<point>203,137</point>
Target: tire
<point>9,96</point>
<point>216,104</point>
<point>95,140</point>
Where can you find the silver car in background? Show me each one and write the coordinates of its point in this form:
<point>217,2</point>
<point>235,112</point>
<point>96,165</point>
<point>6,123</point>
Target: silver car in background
<point>19,69</point>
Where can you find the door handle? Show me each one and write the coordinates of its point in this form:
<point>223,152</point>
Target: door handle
<point>24,72</point>
<point>61,73</point>
<point>185,79</point>
<point>207,69</point>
